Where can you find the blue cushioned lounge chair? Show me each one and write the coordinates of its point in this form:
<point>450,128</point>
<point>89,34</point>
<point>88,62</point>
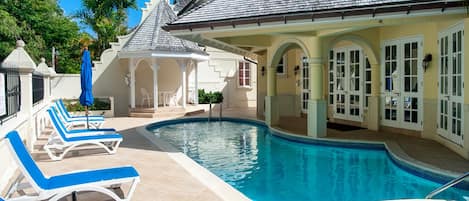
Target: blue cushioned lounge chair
<point>61,142</point>
<point>59,186</point>
<point>70,121</point>
<point>77,132</point>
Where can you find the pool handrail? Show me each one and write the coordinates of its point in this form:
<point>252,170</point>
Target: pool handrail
<point>447,185</point>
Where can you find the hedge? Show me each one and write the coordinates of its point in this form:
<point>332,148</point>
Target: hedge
<point>210,97</point>
<point>99,104</point>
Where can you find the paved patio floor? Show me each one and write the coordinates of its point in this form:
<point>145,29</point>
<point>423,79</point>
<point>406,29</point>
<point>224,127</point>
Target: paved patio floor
<point>164,179</point>
<point>161,177</point>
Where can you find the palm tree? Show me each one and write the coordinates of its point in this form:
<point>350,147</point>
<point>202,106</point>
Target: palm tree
<point>107,18</point>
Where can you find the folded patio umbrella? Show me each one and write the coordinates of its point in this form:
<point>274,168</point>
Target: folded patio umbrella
<point>86,96</point>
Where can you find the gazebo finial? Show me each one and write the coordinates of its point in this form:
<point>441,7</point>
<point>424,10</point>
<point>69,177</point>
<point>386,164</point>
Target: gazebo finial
<point>20,44</point>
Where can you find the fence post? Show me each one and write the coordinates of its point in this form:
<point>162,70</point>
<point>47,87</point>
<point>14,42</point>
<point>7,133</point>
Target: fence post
<point>45,70</point>
<point>19,60</point>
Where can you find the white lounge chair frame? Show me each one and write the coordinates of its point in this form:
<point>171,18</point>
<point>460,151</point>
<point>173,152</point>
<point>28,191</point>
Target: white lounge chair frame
<point>58,144</point>
<point>58,193</point>
<point>79,121</point>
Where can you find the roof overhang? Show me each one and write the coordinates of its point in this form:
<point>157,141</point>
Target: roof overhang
<point>285,18</point>
<point>167,55</point>
<point>324,23</point>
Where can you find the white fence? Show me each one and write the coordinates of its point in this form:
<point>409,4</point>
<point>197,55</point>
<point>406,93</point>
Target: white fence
<point>66,86</point>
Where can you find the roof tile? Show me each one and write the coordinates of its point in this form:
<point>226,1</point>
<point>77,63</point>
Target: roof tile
<point>213,10</point>
<point>150,36</point>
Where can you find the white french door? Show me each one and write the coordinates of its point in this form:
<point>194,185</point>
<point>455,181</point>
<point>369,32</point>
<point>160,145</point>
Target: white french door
<point>304,84</point>
<point>348,83</point>
<point>402,84</point>
<point>451,84</point>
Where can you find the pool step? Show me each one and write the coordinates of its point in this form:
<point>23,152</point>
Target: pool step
<point>164,112</point>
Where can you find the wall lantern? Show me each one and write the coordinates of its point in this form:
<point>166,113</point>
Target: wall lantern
<point>263,70</point>
<point>426,61</point>
<point>297,69</point>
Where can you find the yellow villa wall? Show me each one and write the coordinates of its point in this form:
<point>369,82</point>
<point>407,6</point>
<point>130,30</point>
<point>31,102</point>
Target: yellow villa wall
<point>286,84</point>
<point>374,37</point>
<point>261,83</point>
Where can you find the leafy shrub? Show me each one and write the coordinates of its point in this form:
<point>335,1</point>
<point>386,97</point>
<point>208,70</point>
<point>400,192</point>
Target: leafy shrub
<point>217,97</point>
<point>210,97</point>
<point>99,104</point>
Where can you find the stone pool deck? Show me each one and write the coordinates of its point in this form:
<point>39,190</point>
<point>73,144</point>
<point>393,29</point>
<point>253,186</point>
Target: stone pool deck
<point>162,178</point>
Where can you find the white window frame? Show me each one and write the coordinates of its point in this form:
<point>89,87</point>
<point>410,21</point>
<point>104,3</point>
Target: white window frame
<point>284,64</point>
<point>303,85</point>
<point>331,77</point>
<point>245,69</point>
<point>366,62</point>
<point>447,134</point>
<point>399,122</point>
<point>345,92</point>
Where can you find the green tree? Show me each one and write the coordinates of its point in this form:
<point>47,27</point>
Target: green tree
<point>107,18</point>
<point>42,25</point>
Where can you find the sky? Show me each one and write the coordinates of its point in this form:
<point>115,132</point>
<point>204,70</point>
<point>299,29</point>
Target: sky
<point>72,6</point>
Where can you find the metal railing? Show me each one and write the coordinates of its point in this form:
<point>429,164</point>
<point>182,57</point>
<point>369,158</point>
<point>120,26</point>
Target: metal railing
<point>210,112</point>
<point>38,87</point>
<point>447,185</point>
<point>12,89</point>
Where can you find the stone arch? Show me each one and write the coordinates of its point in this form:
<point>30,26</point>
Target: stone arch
<point>363,43</point>
<point>284,46</point>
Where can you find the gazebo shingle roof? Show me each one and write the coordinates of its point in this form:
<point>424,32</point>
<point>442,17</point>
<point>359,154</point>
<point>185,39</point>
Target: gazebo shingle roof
<point>149,36</point>
<point>216,10</point>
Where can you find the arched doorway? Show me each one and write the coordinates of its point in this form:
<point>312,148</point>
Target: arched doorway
<point>352,79</point>
<point>291,64</point>
<point>348,82</point>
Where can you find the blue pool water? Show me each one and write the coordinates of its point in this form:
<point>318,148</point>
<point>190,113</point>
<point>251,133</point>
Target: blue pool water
<point>265,167</point>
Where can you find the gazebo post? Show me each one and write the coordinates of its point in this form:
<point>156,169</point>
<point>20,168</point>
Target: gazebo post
<point>196,83</point>
<point>132,82</point>
<point>155,68</point>
<point>183,66</point>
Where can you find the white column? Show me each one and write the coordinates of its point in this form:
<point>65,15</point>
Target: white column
<point>272,116</point>
<point>317,105</point>
<point>155,68</point>
<point>196,84</point>
<point>132,82</point>
<point>183,67</point>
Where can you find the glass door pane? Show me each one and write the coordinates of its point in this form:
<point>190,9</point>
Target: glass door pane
<point>305,84</point>
<point>456,98</point>
<point>340,85</point>
<point>354,88</point>
<point>443,85</point>
<point>391,83</point>
<point>451,74</point>
<point>411,85</point>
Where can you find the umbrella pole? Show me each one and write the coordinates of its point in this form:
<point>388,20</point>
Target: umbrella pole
<point>86,113</point>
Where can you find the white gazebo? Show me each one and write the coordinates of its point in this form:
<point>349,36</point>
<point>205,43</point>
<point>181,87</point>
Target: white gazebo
<point>170,59</point>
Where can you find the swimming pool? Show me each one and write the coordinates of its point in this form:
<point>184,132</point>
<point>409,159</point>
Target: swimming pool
<point>265,167</point>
